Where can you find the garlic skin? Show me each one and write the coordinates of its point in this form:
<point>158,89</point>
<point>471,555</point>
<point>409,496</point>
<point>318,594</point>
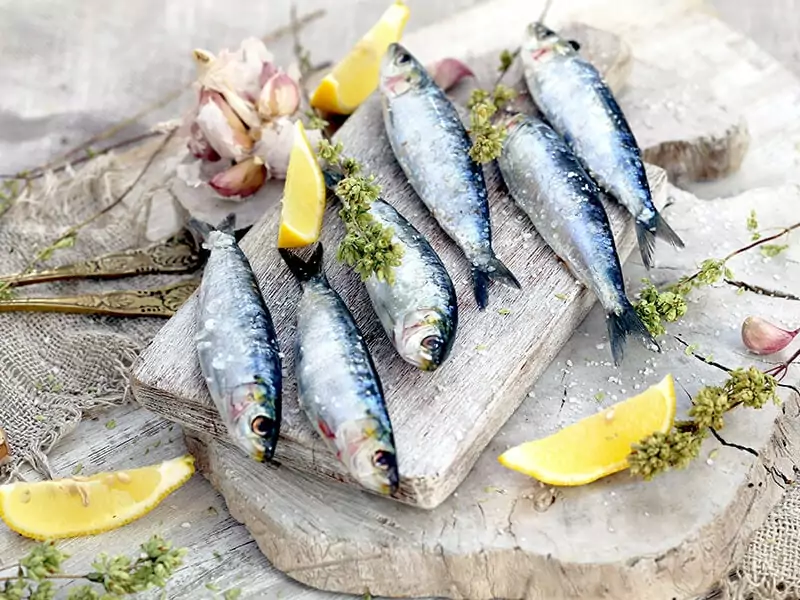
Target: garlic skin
<point>280,96</point>
<point>275,145</point>
<point>221,127</point>
<point>762,337</point>
<point>447,72</point>
<point>241,180</point>
<point>199,146</point>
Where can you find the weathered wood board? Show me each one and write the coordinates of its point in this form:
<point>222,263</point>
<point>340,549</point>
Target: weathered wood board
<point>442,420</point>
<point>502,534</point>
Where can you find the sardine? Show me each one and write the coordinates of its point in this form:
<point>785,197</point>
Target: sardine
<point>418,311</point>
<point>237,345</point>
<point>579,105</point>
<point>337,384</point>
<point>432,147</point>
<point>548,182</point>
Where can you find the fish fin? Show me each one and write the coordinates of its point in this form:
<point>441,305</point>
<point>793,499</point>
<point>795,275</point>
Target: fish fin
<point>665,232</point>
<point>304,270</point>
<point>620,326</point>
<point>493,270</point>
<point>202,230</point>
<point>647,242</point>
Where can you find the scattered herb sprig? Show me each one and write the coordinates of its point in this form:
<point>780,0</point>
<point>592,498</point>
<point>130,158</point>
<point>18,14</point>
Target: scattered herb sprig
<point>658,307</point>
<point>675,449</point>
<point>113,576</point>
<point>488,136</point>
<point>367,246</point>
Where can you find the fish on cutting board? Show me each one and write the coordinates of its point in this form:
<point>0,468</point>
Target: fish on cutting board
<point>236,344</point>
<point>337,384</point>
<point>418,309</point>
<point>580,106</point>
<point>548,182</point>
<point>432,147</point>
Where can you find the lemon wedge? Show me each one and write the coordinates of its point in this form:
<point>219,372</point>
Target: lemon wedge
<point>79,506</point>
<point>598,445</point>
<point>303,195</point>
<point>355,77</point>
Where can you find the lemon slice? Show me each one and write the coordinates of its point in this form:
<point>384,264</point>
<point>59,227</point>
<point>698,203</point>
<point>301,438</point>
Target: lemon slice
<point>598,445</point>
<point>303,195</point>
<point>355,77</point>
<point>78,506</point>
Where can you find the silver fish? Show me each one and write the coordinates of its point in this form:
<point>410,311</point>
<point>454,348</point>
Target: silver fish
<point>337,384</point>
<point>546,180</point>
<point>432,148</point>
<point>236,344</point>
<point>418,311</point>
<point>580,106</point>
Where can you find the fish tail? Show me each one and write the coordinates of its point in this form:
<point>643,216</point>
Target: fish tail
<point>621,325</point>
<point>493,270</point>
<point>332,178</point>
<point>648,231</point>
<point>202,229</point>
<point>304,270</point>
<point>647,242</point>
<point>665,232</point>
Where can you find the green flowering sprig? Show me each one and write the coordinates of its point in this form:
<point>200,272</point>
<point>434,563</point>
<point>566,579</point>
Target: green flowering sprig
<point>656,307</point>
<point>367,246</point>
<point>113,576</point>
<point>675,449</point>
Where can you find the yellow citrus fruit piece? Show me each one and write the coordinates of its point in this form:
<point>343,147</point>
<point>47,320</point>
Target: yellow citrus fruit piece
<point>598,445</point>
<point>77,506</point>
<point>303,195</point>
<point>355,77</point>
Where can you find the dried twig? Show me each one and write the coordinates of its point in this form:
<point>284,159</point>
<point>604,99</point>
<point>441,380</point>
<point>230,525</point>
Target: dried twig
<point>757,289</point>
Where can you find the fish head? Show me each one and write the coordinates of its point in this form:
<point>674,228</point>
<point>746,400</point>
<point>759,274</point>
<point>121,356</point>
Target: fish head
<point>366,448</point>
<point>542,43</point>
<point>255,420</point>
<point>401,72</point>
<point>425,338</point>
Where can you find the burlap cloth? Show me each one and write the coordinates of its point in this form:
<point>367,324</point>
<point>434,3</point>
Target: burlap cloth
<point>56,367</point>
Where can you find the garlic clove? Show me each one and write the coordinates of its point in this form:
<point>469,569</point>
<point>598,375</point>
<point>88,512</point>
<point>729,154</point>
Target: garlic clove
<point>268,69</point>
<point>762,337</point>
<point>447,72</point>
<point>242,179</point>
<point>223,129</point>
<point>279,97</point>
<point>199,146</point>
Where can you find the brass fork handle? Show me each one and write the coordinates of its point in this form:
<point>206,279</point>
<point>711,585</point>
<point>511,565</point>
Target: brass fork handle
<point>179,253</point>
<point>153,302</point>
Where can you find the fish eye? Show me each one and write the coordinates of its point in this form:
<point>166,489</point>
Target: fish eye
<point>403,59</point>
<point>383,460</point>
<point>261,426</point>
<point>575,45</point>
<point>432,343</point>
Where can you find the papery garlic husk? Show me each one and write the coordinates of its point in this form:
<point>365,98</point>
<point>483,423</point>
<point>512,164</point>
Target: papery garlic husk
<point>280,96</point>
<point>762,337</point>
<point>242,179</point>
<point>275,145</point>
<point>447,72</point>
<point>222,127</point>
<point>199,145</point>
<point>237,76</point>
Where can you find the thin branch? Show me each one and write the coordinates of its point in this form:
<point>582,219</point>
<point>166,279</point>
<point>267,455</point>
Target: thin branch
<point>53,576</point>
<point>63,160</point>
<point>750,246</point>
<point>757,289</point>
<point>703,358</point>
<point>731,444</point>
